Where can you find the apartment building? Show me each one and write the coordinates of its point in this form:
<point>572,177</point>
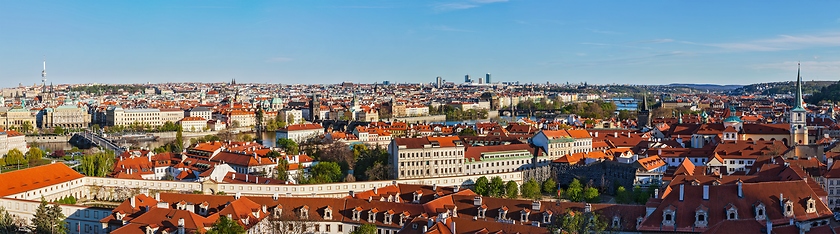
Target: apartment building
<point>300,132</point>
<point>427,157</point>
<point>498,158</point>
<point>117,116</point>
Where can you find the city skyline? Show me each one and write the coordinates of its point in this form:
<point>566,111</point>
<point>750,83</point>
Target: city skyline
<point>657,42</point>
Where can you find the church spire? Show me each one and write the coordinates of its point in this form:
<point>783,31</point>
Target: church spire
<point>644,102</point>
<point>798,104</point>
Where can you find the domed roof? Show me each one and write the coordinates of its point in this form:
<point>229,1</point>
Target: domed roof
<point>732,117</point>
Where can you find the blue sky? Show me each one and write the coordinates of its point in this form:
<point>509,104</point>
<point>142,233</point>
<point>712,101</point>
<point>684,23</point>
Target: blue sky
<point>603,42</point>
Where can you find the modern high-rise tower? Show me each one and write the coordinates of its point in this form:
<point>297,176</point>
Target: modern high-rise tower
<point>487,78</point>
<point>438,82</point>
<point>467,78</point>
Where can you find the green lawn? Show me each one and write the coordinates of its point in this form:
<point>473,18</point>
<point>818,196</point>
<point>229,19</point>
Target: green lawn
<point>13,168</point>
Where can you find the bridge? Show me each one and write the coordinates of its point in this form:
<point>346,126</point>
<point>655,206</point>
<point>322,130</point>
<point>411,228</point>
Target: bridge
<point>97,140</point>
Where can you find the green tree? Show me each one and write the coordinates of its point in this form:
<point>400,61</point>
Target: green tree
<point>549,187</point>
<point>288,145</point>
<point>467,132</point>
<point>282,167</point>
<point>365,229</point>
<point>26,127</point>
<point>226,226</point>
<point>511,190</point>
<point>482,185</point>
<point>15,157</point>
<point>34,156</point>
<point>325,172</point>
<point>575,191</point>
<point>531,190</point>
<point>179,140</point>
<point>99,164</point>
<point>7,222</point>
<point>49,219</point>
<point>58,130</point>
<point>591,195</point>
<point>497,186</point>
<point>622,196</point>
<point>581,222</point>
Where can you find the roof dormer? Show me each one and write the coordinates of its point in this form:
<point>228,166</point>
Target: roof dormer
<point>760,211</point>
<point>668,216</point>
<point>502,213</point>
<point>731,212</point>
<point>372,215</point>
<point>701,216</point>
<point>328,213</point>
<point>811,205</point>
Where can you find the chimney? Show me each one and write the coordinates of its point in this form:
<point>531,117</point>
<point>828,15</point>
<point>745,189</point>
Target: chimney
<point>233,176</point>
<point>246,178</point>
<point>615,134</point>
<point>705,192</point>
<point>257,180</point>
<point>457,187</point>
<point>375,190</point>
<point>740,189</point>
<point>352,194</point>
<point>596,134</point>
<point>133,202</point>
<point>477,200</point>
<point>453,227</point>
<point>769,227</point>
<point>264,209</point>
<point>535,206</point>
<point>157,196</point>
<point>656,193</point>
<point>181,226</point>
<point>239,194</point>
<point>434,187</point>
<point>587,207</point>
<point>682,191</point>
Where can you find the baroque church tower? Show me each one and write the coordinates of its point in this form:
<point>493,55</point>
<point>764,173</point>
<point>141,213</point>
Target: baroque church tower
<point>797,118</point>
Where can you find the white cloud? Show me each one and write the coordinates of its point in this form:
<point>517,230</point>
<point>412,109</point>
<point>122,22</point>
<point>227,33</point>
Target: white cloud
<point>278,60</point>
<point>598,31</point>
<point>658,41</point>
<point>783,42</point>
<point>454,6</point>
<point>463,5</point>
<point>488,1</point>
<point>807,66</point>
<point>449,29</point>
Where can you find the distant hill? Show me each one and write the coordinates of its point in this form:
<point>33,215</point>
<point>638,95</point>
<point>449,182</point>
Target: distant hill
<point>808,87</point>
<point>708,86</point>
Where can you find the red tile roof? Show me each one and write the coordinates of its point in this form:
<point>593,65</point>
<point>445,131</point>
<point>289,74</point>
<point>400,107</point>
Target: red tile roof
<point>36,177</point>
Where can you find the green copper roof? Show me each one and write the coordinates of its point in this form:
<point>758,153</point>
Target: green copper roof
<point>732,117</point>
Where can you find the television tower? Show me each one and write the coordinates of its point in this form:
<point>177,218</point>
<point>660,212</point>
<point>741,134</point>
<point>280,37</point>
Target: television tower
<point>44,77</point>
